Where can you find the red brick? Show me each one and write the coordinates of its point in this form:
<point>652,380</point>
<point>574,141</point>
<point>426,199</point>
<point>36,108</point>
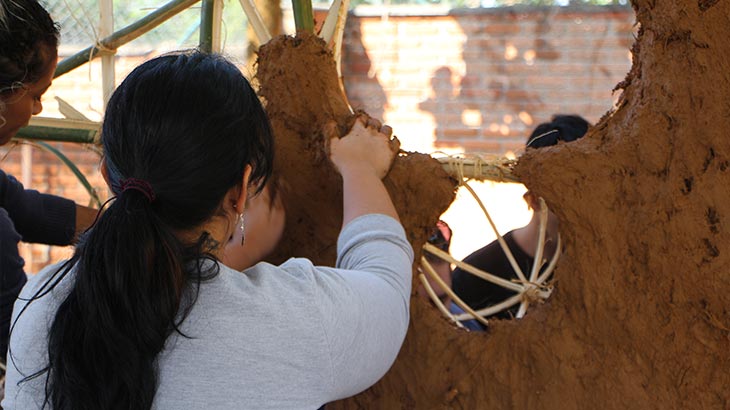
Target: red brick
<point>453,133</point>
<point>574,68</point>
<point>502,29</point>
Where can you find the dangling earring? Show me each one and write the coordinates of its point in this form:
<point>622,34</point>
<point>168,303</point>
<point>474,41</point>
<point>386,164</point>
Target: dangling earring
<point>242,227</point>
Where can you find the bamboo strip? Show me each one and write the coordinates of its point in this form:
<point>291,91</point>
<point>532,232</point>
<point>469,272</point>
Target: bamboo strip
<point>432,273</point>
<point>537,262</point>
<point>553,262</point>
<point>327,31</point>
<point>513,300</point>
<point>500,239</point>
<point>436,300</point>
<point>516,287</point>
<point>476,167</point>
<point>254,18</point>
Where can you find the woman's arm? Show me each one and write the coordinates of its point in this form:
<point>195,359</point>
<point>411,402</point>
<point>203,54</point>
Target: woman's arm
<point>85,216</point>
<point>363,157</point>
<point>365,302</point>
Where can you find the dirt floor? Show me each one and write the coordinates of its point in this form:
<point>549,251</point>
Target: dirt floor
<point>640,318</point>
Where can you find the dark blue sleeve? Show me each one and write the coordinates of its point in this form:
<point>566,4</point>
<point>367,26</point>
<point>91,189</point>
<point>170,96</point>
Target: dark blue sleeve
<point>12,277</point>
<point>37,217</point>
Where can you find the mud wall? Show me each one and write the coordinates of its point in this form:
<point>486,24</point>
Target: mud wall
<point>640,318</point>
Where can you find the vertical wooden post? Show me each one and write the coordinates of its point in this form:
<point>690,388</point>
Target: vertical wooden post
<point>106,29</point>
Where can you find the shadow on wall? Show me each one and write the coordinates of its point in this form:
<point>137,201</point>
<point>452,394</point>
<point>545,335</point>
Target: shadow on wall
<point>521,67</point>
<point>364,90</point>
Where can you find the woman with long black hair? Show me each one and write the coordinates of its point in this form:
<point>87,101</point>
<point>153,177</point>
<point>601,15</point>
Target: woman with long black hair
<point>145,316</point>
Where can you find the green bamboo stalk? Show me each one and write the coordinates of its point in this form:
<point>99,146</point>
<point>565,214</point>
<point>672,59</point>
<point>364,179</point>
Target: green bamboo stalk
<point>60,130</point>
<point>303,15</point>
<point>207,12</point>
<point>125,35</point>
<point>37,133</point>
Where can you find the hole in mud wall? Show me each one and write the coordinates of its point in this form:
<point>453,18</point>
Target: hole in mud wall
<point>527,230</point>
<point>480,83</point>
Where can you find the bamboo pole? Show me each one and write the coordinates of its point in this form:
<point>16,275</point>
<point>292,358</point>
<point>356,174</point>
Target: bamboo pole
<point>255,20</point>
<point>211,14</point>
<point>60,130</point>
<point>106,28</point>
<point>303,15</point>
<point>125,35</point>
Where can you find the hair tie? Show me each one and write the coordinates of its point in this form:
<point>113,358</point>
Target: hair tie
<point>139,185</point>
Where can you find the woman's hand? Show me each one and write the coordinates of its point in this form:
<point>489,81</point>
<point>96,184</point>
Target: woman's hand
<point>366,148</point>
<point>363,157</point>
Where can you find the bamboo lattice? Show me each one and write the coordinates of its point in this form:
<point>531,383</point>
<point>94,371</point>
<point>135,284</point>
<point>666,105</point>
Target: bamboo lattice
<point>528,289</point>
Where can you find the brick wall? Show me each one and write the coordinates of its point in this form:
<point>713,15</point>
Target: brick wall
<point>475,80</point>
<point>480,80</point>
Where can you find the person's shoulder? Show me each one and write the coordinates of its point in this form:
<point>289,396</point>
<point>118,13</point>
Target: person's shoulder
<point>48,278</point>
<point>295,273</point>
<point>7,181</point>
<point>491,247</point>
<point>373,222</point>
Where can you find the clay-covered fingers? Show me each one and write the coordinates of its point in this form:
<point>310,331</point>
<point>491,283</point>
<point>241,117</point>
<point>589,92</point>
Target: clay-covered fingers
<point>363,149</point>
<point>394,144</point>
<point>387,130</point>
<point>373,123</point>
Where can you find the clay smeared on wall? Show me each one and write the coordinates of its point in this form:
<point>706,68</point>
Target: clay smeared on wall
<point>640,317</point>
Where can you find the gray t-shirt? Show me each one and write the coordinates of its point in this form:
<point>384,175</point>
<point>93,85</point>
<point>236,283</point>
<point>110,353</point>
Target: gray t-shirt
<point>293,336</point>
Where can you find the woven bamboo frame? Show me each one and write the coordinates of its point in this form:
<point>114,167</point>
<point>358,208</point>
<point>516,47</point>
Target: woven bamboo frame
<point>528,289</point>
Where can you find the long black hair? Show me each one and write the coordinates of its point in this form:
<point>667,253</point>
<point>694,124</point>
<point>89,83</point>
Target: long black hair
<point>184,126</point>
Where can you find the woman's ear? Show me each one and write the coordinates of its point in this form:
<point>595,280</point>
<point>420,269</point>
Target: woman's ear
<point>243,194</point>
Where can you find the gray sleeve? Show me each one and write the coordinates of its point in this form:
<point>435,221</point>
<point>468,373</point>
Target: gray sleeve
<point>365,302</point>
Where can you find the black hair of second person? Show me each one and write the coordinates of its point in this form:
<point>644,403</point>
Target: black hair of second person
<point>28,39</point>
<point>561,128</point>
<point>188,124</point>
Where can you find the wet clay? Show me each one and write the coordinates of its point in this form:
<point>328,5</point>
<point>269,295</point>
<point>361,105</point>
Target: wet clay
<point>299,85</point>
<point>640,315</point>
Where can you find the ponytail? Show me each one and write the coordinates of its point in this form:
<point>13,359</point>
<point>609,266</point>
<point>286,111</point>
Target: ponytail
<point>130,282</point>
<point>177,135</point>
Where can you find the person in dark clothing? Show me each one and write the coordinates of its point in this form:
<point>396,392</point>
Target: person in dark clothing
<point>441,238</point>
<point>28,54</point>
<point>522,242</point>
